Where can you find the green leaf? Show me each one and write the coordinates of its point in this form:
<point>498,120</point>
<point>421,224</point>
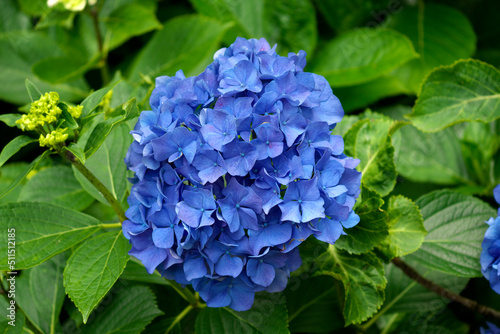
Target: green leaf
<point>103,129</point>
<point>33,91</point>
<point>93,269</point>
<point>362,55</point>
<point>77,151</point>
<point>359,96</point>
<point>20,177</point>
<point>42,231</point>
<point>468,90</point>
<point>8,173</point>
<point>56,185</point>
<point>129,312</point>
<point>372,228</point>
<point>291,24</point>
<point>93,100</point>
<point>13,147</point>
<point>68,118</point>
<point>185,42</point>
<point>313,305</point>
<point>10,119</point>
<point>107,165</point>
<point>61,69</point>
<point>425,25</point>
<point>11,18</point>
<point>363,279</point>
<point>267,315</point>
<point>130,20</point>
<point>19,51</point>
<point>369,141</point>
<point>342,15</point>
<point>406,228</point>
<point>417,153</point>
<point>56,17</point>
<point>5,327</point>
<point>456,225</point>
<point>405,295</point>
<point>40,294</point>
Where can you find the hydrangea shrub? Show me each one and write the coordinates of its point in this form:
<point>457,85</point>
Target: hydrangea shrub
<point>234,168</point>
<point>490,256</point>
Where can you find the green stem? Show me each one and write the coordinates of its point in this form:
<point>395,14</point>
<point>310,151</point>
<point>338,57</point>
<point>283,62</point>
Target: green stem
<point>111,225</point>
<point>179,317</point>
<point>190,297</point>
<point>100,44</point>
<point>113,202</point>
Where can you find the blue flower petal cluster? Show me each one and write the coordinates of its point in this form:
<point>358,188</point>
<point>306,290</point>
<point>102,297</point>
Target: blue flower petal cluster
<point>235,168</point>
<point>492,329</point>
<point>490,256</point>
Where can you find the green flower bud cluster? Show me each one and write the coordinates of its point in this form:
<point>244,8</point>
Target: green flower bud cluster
<point>53,138</point>
<point>44,118</point>
<point>42,111</point>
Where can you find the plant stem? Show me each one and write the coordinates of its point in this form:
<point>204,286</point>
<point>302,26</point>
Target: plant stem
<point>100,44</point>
<point>178,318</point>
<point>113,202</point>
<point>430,285</point>
<point>111,225</point>
<point>190,297</point>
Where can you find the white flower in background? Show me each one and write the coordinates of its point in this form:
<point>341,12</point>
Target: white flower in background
<point>72,5</point>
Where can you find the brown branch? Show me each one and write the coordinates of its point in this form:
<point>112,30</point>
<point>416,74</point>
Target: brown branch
<point>430,285</point>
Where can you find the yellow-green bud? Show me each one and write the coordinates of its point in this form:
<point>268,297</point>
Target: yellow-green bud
<point>76,111</point>
<point>53,138</point>
<point>106,101</point>
<point>42,111</point>
<point>72,5</point>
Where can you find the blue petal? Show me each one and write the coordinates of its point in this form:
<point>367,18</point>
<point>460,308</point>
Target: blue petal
<point>229,265</point>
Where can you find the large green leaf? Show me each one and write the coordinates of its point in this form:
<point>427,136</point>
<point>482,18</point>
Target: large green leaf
<point>8,173</point>
<point>186,42</point>
<point>107,165</point>
<point>42,231</point>
<point>129,20</point>
<point>11,18</point>
<point>468,90</point>
<point>342,15</point>
<point>406,228</point>
<point>370,141</point>
<point>314,305</point>
<point>290,24</point>
<point>456,225</point>
<point>13,147</point>
<point>362,55</point>
<point>405,295</point>
<point>372,228</point>
<point>19,51</point>
<point>93,269</point>
<point>129,311</point>
<point>267,315</point>
<point>362,95</point>
<point>6,323</point>
<point>40,294</point>
<point>56,185</point>
<point>425,25</point>
<point>430,157</point>
<point>363,279</point>
<point>21,176</point>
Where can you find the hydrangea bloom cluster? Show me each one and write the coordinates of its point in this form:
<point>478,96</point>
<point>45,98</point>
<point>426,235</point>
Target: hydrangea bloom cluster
<point>490,256</point>
<point>235,168</point>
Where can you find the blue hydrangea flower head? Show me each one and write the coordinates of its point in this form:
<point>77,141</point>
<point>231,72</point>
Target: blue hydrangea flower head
<point>490,255</point>
<point>234,169</point>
